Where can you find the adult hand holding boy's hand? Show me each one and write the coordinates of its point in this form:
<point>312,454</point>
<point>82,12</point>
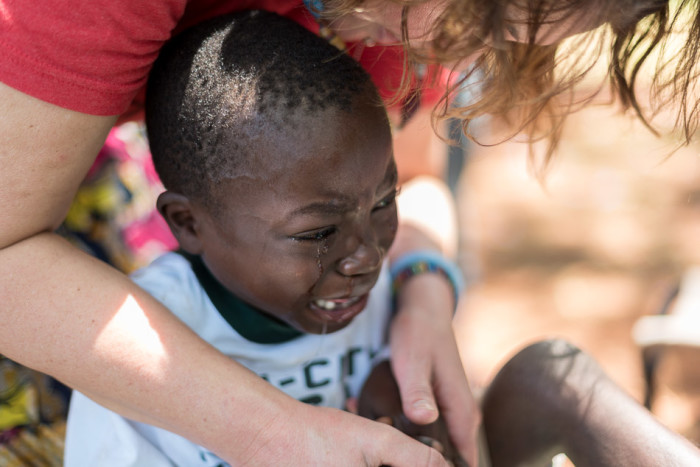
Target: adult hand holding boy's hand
<point>380,400</point>
<point>309,435</point>
<point>426,362</point>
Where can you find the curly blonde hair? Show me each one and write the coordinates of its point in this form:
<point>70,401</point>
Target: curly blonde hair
<point>528,84</point>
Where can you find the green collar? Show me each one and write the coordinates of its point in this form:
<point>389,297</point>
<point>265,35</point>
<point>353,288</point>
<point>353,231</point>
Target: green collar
<point>248,321</point>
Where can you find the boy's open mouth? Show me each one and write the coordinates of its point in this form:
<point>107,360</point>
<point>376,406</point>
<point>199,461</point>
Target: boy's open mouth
<point>337,304</point>
<point>339,310</point>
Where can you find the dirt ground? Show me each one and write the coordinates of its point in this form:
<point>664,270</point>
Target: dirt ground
<point>599,244</point>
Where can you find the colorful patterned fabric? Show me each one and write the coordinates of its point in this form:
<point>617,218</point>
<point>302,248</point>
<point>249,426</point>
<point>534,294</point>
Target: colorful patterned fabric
<point>113,215</point>
<point>113,218</point>
<point>32,417</point>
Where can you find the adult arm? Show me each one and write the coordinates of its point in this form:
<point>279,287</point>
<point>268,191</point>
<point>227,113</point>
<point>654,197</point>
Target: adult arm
<point>75,318</point>
<point>424,353</point>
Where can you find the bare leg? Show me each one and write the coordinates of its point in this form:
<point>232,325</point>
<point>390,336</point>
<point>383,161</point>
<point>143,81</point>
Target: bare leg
<point>551,398</point>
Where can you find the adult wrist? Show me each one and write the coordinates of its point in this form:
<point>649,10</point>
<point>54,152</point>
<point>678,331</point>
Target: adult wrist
<point>421,262</point>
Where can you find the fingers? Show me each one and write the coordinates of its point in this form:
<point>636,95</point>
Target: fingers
<point>351,405</point>
<point>412,365</point>
<point>463,423</point>
<point>427,367</point>
<point>419,405</point>
<point>433,443</point>
<point>410,456</point>
<point>334,437</point>
<point>417,398</point>
<point>457,405</point>
<point>429,373</point>
<point>424,439</point>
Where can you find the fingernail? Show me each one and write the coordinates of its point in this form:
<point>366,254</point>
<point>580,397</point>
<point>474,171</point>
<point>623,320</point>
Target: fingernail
<point>424,405</point>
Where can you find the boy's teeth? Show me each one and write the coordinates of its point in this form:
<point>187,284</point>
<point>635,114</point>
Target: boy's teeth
<point>333,304</point>
<point>325,304</point>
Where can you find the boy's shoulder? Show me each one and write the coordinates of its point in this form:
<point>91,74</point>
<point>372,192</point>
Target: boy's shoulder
<point>171,281</point>
<point>165,270</point>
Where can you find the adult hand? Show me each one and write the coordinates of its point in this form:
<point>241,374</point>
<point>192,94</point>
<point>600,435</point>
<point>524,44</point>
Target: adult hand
<point>426,362</point>
<point>380,400</point>
<point>308,435</point>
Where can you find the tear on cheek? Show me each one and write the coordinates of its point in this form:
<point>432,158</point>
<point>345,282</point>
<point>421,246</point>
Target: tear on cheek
<point>321,251</point>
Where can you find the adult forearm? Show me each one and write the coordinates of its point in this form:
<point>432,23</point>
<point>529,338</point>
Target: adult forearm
<point>71,316</point>
<point>427,218</point>
<point>427,221</point>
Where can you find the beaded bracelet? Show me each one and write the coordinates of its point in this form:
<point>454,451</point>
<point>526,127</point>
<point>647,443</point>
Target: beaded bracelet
<point>419,262</point>
<point>316,7</point>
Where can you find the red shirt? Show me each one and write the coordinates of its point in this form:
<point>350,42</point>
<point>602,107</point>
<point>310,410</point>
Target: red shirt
<point>94,56</point>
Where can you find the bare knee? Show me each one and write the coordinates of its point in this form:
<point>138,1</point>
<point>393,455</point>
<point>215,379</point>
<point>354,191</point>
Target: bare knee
<point>553,363</point>
<point>537,394</point>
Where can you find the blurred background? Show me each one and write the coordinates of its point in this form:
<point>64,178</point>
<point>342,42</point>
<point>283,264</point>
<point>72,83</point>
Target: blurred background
<point>602,240</point>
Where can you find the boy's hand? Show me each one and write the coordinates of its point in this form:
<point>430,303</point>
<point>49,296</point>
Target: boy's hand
<point>426,363</point>
<point>380,400</point>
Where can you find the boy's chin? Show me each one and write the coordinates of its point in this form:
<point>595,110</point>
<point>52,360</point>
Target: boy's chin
<point>325,327</point>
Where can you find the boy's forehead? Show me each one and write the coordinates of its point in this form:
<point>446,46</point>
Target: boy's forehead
<point>307,137</point>
<point>331,149</point>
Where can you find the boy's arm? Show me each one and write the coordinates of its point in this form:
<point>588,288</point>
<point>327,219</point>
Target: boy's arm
<point>73,317</point>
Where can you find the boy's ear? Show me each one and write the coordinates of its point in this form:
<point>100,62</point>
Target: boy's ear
<point>178,212</point>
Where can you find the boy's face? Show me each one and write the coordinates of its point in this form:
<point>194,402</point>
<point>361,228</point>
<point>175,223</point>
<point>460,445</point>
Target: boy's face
<point>303,235</point>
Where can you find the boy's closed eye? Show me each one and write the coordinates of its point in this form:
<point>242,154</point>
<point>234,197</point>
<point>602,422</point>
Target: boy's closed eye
<point>388,200</point>
<point>315,235</point>
<point>323,233</point>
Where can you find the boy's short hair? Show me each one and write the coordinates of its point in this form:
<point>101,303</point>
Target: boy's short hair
<point>220,86</point>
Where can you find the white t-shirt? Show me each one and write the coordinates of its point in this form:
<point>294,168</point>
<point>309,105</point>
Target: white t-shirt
<point>317,369</point>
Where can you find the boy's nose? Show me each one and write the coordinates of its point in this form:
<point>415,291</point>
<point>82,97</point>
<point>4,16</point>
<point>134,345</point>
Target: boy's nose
<point>366,258</point>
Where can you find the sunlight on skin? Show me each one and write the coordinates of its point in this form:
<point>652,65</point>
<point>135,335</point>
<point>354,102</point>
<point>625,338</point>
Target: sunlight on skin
<point>131,317</point>
<point>427,204</point>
